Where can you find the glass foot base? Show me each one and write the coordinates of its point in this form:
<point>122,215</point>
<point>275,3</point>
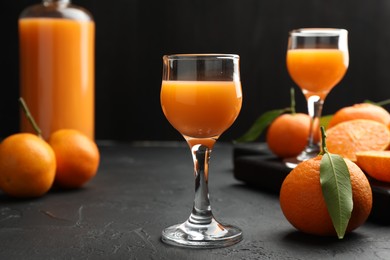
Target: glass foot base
<point>291,162</point>
<point>213,235</point>
<point>309,152</point>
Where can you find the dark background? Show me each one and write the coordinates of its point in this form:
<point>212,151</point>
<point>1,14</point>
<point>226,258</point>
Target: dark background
<point>133,35</point>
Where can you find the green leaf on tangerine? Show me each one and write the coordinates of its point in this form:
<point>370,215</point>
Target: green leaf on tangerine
<point>337,190</point>
<point>380,103</point>
<point>260,124</point>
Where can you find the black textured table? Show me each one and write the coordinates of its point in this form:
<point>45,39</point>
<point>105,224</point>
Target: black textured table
<point>142,188</point>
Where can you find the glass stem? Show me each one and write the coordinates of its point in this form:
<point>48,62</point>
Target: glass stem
<point>56,2</point>
<point>314,106</point>
<point>201,211</point>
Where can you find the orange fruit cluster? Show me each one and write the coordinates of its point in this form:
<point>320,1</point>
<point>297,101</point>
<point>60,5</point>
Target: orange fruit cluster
<point>304,206</point>
<point>362,127</point>
<point>361,133</point>
<point>30,166</point>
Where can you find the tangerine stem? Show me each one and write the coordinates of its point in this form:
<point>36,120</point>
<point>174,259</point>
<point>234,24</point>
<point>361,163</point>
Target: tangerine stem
<point>324,149</point>
<point>30,117</point>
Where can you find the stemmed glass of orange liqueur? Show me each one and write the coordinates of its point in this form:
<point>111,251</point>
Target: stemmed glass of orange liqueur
<point>201,97</point>
<point>317,59</point>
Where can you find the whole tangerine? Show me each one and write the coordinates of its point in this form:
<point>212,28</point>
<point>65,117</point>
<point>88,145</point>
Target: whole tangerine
<point>287,135</point>
<point>27,166</point>
<point>77,158</point>
<point>303,203</point>
<point>361,111</point>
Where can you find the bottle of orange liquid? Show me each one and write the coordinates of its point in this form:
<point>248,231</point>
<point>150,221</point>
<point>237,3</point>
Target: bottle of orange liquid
<point>57,66</point>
